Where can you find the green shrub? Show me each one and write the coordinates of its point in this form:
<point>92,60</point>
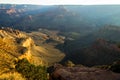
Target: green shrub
<point>30,71</point>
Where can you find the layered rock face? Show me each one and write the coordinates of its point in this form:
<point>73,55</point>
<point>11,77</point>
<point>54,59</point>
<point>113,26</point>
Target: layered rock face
<point>82,73</point>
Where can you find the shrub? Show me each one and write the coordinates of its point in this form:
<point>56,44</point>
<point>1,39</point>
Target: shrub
<point>30,71</point>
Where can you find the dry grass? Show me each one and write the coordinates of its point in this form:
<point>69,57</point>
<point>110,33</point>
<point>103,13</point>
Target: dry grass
<point>7,55</point>
<point>47,51</point>
<point>11,76</point>
<point>15,46</point>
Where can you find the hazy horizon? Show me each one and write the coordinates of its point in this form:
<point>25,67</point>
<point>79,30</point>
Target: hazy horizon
<point>62,2</point>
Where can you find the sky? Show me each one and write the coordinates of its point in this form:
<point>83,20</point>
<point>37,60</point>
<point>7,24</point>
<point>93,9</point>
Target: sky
<point>62,2</point>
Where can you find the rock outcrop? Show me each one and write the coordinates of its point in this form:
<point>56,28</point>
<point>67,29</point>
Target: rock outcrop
<point>83,73</point>
<point>19,45</point>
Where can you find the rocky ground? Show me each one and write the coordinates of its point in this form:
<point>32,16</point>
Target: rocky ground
<point>82,73</point>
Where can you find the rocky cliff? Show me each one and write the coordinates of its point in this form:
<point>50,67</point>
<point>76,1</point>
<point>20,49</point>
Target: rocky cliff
<point>16,45</point>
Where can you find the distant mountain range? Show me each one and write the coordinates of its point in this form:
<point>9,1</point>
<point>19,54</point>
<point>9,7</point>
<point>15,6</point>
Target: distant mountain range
<point>80,25</point>
<point>81,34</point>
<point>64,18</point>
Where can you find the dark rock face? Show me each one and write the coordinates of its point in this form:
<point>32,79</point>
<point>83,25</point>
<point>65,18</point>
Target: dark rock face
<point>99,52</point>
<point>83,73</point>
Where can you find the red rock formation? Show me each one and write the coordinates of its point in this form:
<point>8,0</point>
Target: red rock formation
<point>11,11</point>
<point>83,73</point>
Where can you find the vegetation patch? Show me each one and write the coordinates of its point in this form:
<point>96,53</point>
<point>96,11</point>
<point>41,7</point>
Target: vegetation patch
<point>30,71</point>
